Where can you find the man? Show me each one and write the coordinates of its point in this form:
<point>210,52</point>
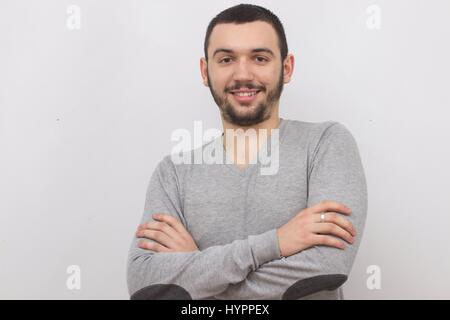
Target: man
<point>225,231</point>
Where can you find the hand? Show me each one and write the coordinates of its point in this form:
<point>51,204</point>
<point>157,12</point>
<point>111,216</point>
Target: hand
<point>168,233</point>
<point>306,229</point>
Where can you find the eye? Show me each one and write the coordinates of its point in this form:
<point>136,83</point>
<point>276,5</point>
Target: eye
<point>225,60</point>
<point>261,59</point>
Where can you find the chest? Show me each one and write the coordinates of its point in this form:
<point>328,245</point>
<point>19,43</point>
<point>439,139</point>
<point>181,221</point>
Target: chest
<point>220,205</point>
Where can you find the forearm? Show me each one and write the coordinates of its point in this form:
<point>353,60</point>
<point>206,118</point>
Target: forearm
<point>310,271</point>
<point>294,277</point>
<point>198,274</point>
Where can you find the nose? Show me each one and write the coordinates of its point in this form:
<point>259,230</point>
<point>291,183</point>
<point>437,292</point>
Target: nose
<point>243,71</point>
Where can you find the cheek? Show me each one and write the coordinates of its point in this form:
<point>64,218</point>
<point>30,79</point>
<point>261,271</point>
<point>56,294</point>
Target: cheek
<point>218,82</point>
<point>266,77</point>
<point>218,73</point>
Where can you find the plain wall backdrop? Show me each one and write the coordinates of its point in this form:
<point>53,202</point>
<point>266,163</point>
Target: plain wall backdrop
<point>86,114</point>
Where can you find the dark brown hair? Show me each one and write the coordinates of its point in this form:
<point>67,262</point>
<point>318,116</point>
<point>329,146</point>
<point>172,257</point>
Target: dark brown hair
<point>244,13</point>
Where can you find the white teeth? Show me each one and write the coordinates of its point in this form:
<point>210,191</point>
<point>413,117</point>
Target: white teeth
<point>245,94</point>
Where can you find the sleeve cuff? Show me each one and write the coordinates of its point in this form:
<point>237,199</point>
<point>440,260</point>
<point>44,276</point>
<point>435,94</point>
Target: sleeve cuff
<point>264,247</point>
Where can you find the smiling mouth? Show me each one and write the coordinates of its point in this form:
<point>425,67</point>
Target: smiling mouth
<point>245,93</point>
<point>245,97</point>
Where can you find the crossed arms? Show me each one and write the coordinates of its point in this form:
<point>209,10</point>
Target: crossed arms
<point>255,267</point>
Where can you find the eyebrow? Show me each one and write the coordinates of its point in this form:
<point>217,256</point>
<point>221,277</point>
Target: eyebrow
<point>256,50</point>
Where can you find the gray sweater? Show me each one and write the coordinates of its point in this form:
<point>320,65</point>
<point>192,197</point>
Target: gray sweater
<point>232,214</point>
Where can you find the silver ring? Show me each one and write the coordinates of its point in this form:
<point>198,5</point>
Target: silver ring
<point>322,217</point>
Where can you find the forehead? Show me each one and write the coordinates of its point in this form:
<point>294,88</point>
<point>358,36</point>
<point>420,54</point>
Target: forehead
<point>243,37</point>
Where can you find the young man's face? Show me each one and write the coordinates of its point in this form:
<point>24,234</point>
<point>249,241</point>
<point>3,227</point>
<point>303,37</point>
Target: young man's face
<point>244,71</point>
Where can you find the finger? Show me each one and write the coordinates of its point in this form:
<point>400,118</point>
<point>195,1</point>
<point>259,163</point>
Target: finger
<point>147,245</point>
<point>328,241</point>
<point>171,221</point>
<point>336,218</point>
<point>157,236</point>
<point>144,224</point>
<point>329,205</point>
<point>161,226</point>
<point>333,229</point>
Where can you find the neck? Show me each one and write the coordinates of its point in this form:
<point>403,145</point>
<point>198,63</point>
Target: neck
<point>243,146</point>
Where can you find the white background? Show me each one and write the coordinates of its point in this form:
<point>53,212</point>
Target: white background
<point>86,114</point>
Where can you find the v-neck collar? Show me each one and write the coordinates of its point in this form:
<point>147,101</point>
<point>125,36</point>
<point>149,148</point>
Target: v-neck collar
<point>250,168</point>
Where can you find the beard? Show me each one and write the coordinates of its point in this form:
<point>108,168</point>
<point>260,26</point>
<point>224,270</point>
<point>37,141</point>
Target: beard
<point>253,115</point>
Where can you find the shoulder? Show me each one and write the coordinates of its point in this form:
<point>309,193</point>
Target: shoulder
<point>177,165</point>
<point>314,133</point>
<point>165,170</point>
<point>329,130</point>
<point>317,129</point>
<point>333,139</point>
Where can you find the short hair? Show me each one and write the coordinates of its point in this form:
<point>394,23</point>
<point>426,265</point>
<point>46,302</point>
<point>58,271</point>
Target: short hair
<point>244,13</point>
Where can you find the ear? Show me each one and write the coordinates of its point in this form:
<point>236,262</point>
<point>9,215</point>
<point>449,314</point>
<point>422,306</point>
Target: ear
<point>204,71</point>
<point>288,68</point>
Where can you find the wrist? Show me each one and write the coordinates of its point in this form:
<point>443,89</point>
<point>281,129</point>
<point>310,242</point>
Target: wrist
<point>279,243</point>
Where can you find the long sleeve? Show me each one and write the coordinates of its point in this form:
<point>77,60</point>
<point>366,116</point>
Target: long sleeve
<point>336,173</point>
<point>190,275</point>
